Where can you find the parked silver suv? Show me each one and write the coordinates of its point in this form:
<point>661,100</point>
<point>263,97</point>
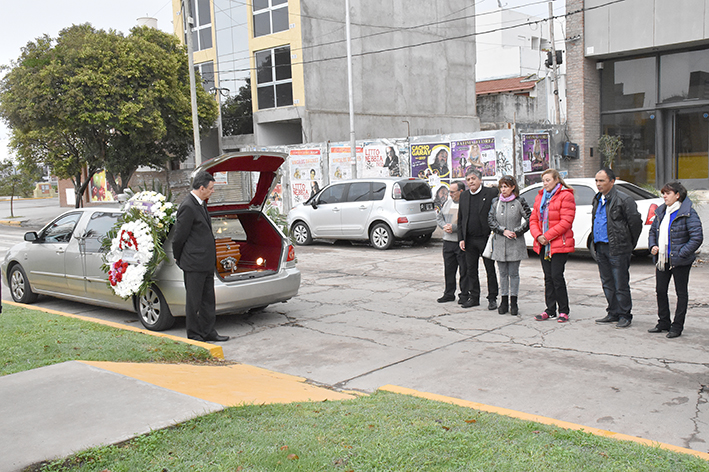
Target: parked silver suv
<point>380,209</point>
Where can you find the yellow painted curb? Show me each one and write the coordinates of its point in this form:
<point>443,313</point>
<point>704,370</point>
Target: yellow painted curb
<point>230,385</point>
<point>215,351</point>
<point>11,222</point>
<point>541,419</point>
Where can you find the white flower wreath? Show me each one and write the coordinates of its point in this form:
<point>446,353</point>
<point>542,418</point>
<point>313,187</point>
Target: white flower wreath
<point>136,246</point>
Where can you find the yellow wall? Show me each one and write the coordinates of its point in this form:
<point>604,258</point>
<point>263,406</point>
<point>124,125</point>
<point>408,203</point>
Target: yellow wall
<point>198,57</point>
<point>292,37</point>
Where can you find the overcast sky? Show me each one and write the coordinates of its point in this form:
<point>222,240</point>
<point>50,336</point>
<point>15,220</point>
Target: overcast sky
<point>30,19</point>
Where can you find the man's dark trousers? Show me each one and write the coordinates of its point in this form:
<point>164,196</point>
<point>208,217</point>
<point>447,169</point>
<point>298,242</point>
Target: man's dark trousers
<point>204,317</point>
<point>615,279</point>
<point>474,247</point>
<point>453,261</point>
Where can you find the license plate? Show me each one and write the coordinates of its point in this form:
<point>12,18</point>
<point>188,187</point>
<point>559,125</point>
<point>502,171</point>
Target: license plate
<point>427,206</point>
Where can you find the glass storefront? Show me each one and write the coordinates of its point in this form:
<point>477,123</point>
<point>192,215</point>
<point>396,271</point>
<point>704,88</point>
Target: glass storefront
<point>635,93</point>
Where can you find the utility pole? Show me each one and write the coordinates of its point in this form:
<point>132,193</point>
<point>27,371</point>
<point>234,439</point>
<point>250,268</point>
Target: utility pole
<point>554,75</point>
<point>353,147</point>
<point>188,22</point>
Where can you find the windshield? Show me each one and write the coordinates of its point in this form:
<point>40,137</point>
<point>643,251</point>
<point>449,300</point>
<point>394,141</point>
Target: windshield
<point>636,192</point>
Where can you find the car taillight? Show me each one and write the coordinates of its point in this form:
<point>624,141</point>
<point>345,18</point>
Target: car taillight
<point>291,253</point>
<point>396,191</point>
<point>651,214</point>
<point>402,220</point>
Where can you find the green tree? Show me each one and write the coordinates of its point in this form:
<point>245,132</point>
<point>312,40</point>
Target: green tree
<point>93,99</point>
<point>17,181</point>
<point>237,114</point>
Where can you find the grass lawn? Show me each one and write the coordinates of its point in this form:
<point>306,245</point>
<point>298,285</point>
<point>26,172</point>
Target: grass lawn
<point>381,432</point>
<point>32,339</point>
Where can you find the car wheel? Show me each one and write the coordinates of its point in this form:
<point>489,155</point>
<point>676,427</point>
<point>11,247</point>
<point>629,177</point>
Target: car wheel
<point>20,286</point>
<point>153,310</point>
<point>301,234</point>
<point>422,239</point>
<point>381,236</point>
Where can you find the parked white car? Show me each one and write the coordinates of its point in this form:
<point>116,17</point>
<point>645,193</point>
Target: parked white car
<point>379,210</point>
<point>584,191</point>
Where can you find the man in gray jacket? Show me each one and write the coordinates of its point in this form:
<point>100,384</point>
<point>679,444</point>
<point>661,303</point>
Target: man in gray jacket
<point>453,257</point>
<point>615,229</point>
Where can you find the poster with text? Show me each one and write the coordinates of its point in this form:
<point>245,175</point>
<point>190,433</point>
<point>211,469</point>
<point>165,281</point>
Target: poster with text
<point>535,152</point>
<point>341,162</point>
<point>478,153</point>
<point>430,162</point>
<point>305,174</point>
<point>372,163</point>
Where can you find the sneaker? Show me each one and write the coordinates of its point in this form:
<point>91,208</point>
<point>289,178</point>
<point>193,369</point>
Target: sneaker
<point>623,323</point>
<point>446,298</point>
<point>608,319</point>
<point>563,318</point>
<point>492,304</point>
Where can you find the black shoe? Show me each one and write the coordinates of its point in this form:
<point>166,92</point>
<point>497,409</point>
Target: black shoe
<point>446,298</point>
<point>608,319</point>
<point>197,338</point>
<point>492,304</point>
<point>656,329</point>
<point>502,309</point>
<point>469,303</point>
<point>674,334</point>
<point>218,338</point>
<point>514,309</point>
<point>623,323</point>
<point>462,299</point>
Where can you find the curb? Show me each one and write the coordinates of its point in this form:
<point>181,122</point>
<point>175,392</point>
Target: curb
<point>542,419</point>
<point>215,351</point>
<point>12,222</point>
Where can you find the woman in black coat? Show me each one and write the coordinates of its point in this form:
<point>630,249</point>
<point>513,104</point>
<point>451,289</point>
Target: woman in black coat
<point>675,236</point>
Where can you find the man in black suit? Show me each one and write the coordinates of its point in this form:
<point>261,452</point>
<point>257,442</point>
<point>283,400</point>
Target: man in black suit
<point>196,254</point>
<point>473,232</point>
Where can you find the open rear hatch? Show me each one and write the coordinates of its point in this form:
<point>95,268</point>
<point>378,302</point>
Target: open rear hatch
<point>248,243</point>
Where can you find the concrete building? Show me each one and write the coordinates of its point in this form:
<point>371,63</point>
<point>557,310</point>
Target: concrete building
<point>412,69</point>
<point>514,84</point>
<point>638,69</point>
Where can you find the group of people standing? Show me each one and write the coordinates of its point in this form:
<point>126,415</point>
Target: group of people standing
<point>474,218</point>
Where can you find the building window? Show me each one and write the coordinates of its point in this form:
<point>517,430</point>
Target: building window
<point>637,159</point>
<point>628,84</point>
<point>270,16</point>
<point>202,30</point>
<point>273,78</point>
<point>684,76</point>
<point>206,72</point>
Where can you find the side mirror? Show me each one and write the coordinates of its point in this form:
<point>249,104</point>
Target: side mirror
<point>314,204</point>
<point>31,236</point>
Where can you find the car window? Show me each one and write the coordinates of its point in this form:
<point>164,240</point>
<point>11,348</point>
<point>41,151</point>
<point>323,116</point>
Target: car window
<point>332,194</point>
<point>228,226</point>
<point>414,190</point>
<point>529,196</point>
<point>99,224</point>
<point>584,194</point>
<point>358,192</point>
<point>637,193</point>
<point>378,190</point>
<point>61,229</point>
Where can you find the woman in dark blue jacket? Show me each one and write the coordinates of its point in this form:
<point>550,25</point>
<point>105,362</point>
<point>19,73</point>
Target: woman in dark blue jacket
<point>675,236</point>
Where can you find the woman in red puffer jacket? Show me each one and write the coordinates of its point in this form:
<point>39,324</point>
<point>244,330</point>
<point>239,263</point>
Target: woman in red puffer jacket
<point>550,225</point>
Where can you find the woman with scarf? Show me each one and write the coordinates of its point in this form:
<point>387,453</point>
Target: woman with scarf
<point>550,224</point>
<point>675,235</point>
<point>509,220</point>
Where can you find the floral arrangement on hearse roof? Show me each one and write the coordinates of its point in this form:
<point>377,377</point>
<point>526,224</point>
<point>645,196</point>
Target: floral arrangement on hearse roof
<point>134,246</point>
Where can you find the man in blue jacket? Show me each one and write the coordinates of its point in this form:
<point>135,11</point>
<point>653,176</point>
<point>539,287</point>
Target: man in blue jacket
<point>615,228</point>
